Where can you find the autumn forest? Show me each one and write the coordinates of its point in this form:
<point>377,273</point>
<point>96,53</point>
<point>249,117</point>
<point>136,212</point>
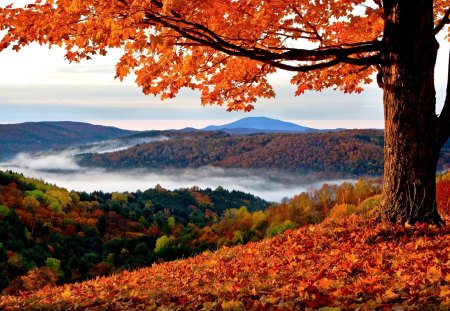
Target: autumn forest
<point>378,239</point>
<point>50,236</point>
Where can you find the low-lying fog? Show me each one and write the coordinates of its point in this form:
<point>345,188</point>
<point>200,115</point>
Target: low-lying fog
<point>59,167</point>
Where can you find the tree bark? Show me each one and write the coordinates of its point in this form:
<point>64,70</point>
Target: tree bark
<point>411,125</point>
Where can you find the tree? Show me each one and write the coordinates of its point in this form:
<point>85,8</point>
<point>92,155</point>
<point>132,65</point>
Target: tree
<point>225,49</point>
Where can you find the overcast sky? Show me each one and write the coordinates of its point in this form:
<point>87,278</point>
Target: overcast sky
<point>37,84</point>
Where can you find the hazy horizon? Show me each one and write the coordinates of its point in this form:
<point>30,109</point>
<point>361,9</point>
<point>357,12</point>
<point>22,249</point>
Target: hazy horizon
<point>142,125</point>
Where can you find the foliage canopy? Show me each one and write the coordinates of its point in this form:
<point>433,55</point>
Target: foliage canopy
<point>225,49</point>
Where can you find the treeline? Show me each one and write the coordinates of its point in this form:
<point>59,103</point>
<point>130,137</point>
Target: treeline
<point>49,235</point>
<point>344,153</point>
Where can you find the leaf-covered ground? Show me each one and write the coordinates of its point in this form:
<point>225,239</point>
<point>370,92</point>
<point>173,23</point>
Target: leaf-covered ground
<point>334,266</point>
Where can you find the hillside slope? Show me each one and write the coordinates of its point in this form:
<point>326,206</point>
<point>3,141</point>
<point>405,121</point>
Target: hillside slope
<point>346,265</point>
<point>84,235</point>
<point>353,152</point>
<point>345,153</point>
<point>43,136</point>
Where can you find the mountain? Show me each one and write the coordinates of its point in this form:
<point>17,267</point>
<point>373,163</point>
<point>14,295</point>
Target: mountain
<point>258,125</point>
<point>43,136</point>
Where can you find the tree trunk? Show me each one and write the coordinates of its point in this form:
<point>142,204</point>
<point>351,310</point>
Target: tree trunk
<point>411,148</point>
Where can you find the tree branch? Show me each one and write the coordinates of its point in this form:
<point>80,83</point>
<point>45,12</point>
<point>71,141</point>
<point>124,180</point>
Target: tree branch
<point>323,57</point>
<point>444,118</point>
<point>444,21</point>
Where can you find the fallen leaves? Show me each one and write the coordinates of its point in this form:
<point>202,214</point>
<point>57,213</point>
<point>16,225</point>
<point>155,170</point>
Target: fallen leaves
<point>351,264</point>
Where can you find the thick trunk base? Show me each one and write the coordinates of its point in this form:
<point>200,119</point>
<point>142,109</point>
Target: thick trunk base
<point>411,143</point>
<point>410,206</point>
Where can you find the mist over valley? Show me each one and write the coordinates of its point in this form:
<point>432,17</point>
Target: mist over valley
<point>270,164</point>
<point>61,169</point>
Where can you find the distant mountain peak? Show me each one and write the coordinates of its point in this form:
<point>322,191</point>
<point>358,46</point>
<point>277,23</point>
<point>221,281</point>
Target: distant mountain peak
<point>259,124</point>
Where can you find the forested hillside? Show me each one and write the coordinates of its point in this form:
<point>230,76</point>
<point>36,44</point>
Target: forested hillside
<point>81,235</point>
<point>44,136</point>
<point>49,235</point>
<point>348,262</point>
<point>355,152</point>
<point>343,153</point>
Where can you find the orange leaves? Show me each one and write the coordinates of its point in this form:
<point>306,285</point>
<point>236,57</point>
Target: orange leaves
<point>224,49</point>
<point>341,266</point>
<point>75,6</point>
<point>344,77</point>
<point>434,274</point>
<point>444,293</point>
<point>126,64</point>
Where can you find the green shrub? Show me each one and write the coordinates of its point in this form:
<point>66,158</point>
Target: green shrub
<point>37,194</point>
<point>4,210</point>
<point>55,207</point>
<point>54,264</point>
<point>368,207</point>
<point>162,243</point>
<point>275,229</point>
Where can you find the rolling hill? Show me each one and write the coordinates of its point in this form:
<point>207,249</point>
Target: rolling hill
<point>92,234</point>
<point>353,152</point>
<point>344,153</point>
<point>44,136</point>
<point>258,125</point>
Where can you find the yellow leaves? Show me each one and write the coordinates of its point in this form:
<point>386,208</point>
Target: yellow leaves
<point>434,274</point>
<point>75,6</point>
<point>66,294</point>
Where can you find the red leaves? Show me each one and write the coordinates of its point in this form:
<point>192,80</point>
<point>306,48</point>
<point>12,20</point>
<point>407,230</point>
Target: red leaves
<point>443,196</point>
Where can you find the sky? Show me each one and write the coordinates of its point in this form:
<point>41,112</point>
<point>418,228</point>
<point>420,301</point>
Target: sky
<point>37,84</point>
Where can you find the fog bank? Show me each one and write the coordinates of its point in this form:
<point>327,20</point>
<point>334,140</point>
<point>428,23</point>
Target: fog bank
<point>60,168</point>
